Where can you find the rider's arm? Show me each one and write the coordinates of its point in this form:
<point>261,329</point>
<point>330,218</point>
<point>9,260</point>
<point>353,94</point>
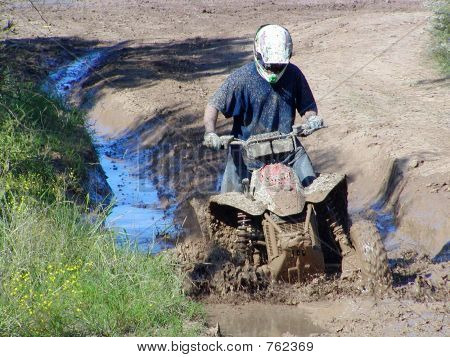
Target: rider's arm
<point>308,114</point>
<point>210,118</point>
<point>305,102</point>
<point>303,119</point>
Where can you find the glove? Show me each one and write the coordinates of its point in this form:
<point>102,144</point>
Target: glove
<point>315,122</point>
<point>212,141</point>
<point>312,124</point>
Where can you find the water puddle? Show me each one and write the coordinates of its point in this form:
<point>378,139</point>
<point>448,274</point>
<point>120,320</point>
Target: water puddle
<point>385,222</point>
<point>444,255</point>
<point>260,320</point>
<point>61,82</point>
<point>137,215</point>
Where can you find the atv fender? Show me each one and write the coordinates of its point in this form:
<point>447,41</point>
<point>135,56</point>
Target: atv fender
<point>239,201</point>
<point>322,186</point>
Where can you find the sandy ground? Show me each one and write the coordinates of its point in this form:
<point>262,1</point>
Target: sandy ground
<point>386,107</point>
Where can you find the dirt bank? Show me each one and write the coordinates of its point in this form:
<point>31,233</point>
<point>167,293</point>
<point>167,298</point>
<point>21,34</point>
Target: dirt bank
<point>386,107</point>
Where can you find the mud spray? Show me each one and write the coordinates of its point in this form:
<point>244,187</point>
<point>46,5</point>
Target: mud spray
<point>136,213</point>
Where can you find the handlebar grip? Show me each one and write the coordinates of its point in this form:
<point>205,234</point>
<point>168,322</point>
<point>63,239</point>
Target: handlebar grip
<point>227,140</point>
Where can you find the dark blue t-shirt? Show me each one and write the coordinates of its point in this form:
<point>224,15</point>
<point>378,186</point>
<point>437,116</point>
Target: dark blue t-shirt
<point>260,107</point>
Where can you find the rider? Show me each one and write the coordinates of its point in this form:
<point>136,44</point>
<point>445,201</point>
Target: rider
<point>262,97</point>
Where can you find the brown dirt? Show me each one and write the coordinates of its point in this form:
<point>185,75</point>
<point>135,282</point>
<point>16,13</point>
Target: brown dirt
<point>386,107</point>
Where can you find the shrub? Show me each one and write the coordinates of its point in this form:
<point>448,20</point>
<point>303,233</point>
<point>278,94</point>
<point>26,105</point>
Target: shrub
<point>440,27</point>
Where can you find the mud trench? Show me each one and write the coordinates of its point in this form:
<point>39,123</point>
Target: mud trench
<point>238,300</point>
<point>141,218</point>
<point>145,99</point>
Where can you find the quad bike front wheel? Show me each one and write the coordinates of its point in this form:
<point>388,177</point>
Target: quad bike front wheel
<point>371,255</point>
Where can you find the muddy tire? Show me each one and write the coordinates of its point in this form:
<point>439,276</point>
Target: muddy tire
<point>371,255</point>
<point>226,237</point>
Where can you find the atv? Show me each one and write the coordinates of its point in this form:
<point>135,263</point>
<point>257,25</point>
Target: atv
<point>288,232</point>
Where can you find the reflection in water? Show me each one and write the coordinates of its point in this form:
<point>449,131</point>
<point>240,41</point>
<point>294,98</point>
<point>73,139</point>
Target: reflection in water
<point>260,320</point>
<point>62,81</point>
<point>385,223</point>
<point>384,220</point>
<point>444,255</point>
<point>136,215</point>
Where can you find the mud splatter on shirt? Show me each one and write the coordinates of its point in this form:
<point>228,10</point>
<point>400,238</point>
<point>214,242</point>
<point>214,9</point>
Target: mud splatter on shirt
<point>258,106</point>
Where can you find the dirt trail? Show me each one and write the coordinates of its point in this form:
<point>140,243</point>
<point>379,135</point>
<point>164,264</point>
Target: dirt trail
<point>386,107</point>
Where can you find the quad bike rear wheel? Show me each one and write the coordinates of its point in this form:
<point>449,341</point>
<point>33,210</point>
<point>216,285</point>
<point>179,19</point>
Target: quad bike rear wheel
<point>371,255</point>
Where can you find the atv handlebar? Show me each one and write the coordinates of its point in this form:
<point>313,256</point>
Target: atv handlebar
<point>227,140</point>
<point>297,130</point>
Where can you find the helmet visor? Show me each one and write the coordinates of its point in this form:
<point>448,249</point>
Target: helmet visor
<point>275,67</point>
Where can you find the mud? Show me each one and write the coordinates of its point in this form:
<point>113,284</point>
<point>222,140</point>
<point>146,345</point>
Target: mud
<point>211,269</point>
<point>376,88</point>
<point>415,304</point>
<point>261,320</point>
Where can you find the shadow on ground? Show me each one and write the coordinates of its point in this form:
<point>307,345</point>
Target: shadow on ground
<point>175,160</point>
<point>129,65</point>
<point>34,58</point>
<point>144,65</point>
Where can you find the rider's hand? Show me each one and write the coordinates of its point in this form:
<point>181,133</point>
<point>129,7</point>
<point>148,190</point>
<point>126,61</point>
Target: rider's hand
<point>312,124</point>
<point>212,141</point>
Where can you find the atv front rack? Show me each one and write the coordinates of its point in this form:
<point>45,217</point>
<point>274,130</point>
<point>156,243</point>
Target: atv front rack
<point>263,145</point>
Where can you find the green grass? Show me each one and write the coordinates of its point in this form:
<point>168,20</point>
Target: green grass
<point>44,146</point>
<point>441,33</point>
<point>64,276</point>
<point>61,273</point>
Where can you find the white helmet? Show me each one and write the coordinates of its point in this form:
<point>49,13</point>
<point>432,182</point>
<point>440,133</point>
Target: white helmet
<point>272,51</point>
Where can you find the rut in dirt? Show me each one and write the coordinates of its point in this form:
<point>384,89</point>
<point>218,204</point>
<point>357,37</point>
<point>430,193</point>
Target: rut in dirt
<point>136,214</point>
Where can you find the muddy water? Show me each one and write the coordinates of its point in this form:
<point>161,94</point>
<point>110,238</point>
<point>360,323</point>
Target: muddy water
<point>384,221</point>
<point>136,216</point>
<point>261,320</point>
<point>62,81</point>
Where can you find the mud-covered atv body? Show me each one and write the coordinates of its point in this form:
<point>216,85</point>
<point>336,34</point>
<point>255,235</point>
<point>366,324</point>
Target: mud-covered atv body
<point>284,230</point>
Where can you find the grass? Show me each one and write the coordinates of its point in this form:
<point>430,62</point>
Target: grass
<point>61,273</point>
<point>64,276</point>
<point>44,146</point>
<point>440,28</point>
